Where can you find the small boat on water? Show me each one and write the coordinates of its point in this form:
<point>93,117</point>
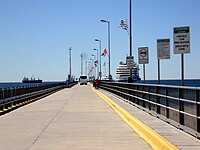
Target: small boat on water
<point>32,80</point>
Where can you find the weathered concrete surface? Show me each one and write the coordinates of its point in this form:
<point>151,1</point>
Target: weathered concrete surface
<point>70,119</point>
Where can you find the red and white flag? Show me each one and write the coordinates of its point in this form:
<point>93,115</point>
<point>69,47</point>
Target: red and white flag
<point>104,52</point>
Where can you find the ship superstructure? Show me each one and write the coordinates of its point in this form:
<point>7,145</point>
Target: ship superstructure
<point>123,73</point>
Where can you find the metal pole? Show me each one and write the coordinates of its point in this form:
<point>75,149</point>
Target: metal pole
<point>89,74</point>
<point>158,71</point>
<point>99,70</point>
<point>182,70</point>
<point>85,67</point>
<point>81,64</point>
<point>144,72</point>
<point>130,80</point>
<point>93,60</point>
<point>97,65</point>
<point>105,70</point>
<point>100,58</point>
<point>109,49</point>
<point>70,61</point>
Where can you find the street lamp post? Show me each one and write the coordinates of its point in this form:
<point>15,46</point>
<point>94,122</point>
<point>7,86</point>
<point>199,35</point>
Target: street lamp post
<point>99,57</point>
<point>90,63</point>
<point>94,56</point>
<point>81,64</point>
<point>108,46</point>
<point>130,79</point>
<point>70,70</point>
<point>97,63</point>
<point>85,67</point>
<point>93,64</point>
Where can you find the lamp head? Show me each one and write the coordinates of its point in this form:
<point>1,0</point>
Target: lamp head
<point>104,21</point>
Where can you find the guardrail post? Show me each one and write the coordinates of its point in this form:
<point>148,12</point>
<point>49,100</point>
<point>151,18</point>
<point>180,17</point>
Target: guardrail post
<point>167,103</point>
<point>181,107</point>
<point>157,99</point>
<point>2,93</point>
<point>1,108</point>
<point>136,94</point>
<point>133,93</point>
<point>125,91</point>
<point>149,98</point>
<point>11,92</point>
<point>198,111</point>
<point>143,102</point>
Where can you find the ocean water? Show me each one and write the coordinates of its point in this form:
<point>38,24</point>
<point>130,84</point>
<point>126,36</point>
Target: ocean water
<point>20,84</point>
<point>187,82</point>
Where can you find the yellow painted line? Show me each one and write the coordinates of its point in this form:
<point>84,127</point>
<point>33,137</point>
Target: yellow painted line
<point>155,140</point>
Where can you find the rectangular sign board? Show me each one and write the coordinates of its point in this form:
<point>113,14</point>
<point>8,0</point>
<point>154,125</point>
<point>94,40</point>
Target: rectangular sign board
<point>143,55</point>
<point>181,40</point>
<point>163,48</point>
<point>129,62</point>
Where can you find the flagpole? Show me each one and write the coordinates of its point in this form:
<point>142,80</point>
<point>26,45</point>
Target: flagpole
<point>109,50</point>
<point>97,63</point>
<point>105,70</point>
<point>110,77</point>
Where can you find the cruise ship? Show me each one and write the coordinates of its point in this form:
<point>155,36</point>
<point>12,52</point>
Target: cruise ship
<point>123,73</point>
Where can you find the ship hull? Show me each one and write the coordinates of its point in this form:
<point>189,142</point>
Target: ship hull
<point>32,81</point>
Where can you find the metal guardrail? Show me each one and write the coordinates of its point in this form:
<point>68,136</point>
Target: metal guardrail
<point>11,98</point>
<point>177,105</point>
<point>15,91</point>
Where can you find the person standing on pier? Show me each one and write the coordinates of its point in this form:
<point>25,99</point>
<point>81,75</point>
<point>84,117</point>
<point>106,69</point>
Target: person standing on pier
<point>97,83</point>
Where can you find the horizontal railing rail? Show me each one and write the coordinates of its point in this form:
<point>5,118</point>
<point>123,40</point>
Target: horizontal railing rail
<point>25,95</point>
<point>15,91</point>
<point>177,105</point>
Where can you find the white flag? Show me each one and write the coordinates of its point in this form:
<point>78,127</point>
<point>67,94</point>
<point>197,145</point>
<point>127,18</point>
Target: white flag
<point>124,24</point>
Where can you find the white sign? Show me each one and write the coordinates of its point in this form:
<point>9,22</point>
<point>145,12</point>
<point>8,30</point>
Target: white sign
<point>181,40</point>
<point>129,61</point>
<point>163,48</point>
<point>143,55</point>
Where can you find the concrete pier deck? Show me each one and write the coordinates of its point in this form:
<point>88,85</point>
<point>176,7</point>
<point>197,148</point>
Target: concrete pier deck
<point>77,118</point>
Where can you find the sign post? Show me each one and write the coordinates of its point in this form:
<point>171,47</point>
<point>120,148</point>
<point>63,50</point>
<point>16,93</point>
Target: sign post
<point>143,55</point>
<point>163,52</point>
<point>182,45</point>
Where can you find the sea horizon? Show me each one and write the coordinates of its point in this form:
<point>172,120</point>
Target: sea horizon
<point>173,82</point>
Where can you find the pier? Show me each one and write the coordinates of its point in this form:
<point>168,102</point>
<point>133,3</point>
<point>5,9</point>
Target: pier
<point>84,118</point>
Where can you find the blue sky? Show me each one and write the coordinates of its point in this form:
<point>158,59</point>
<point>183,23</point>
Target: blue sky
<point>35,35</point>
